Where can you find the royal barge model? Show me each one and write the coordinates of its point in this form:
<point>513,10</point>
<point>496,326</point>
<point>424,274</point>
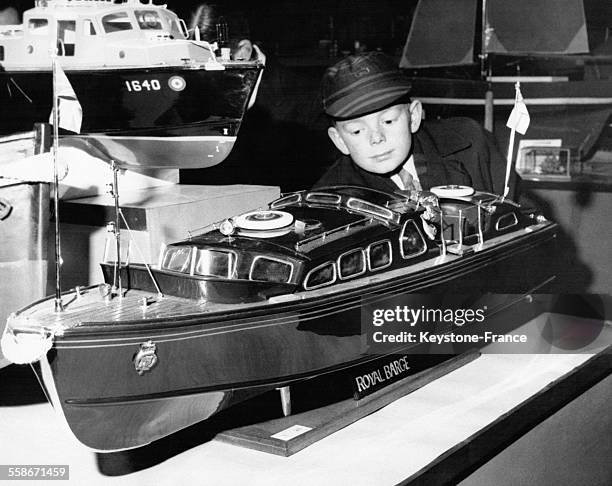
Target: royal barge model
<point>151,96</point>
<point>263,300</point>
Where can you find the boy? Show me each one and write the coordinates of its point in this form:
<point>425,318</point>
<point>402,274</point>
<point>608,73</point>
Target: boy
<point>386,144</point>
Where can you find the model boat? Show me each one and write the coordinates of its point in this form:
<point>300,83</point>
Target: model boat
<point>467,60</point>
<point>151,96</point>
<point>263,300</point>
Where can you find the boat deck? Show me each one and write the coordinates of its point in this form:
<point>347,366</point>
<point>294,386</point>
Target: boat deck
<point>134,305</point>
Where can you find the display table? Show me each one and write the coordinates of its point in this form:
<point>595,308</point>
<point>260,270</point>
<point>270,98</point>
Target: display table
<point>500,419</point>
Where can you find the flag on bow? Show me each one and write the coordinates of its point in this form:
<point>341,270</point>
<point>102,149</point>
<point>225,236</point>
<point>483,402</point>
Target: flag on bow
<point>518,121</point>
<point>519,117</point>
<point>69,110</point>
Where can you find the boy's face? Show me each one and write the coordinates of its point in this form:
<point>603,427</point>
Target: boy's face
<point>379,142</point>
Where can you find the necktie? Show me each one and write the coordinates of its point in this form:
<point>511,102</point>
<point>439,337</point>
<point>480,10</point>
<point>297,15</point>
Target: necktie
<point>409,183</point>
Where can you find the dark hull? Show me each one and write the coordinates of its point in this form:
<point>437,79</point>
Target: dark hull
<point>153,117</point>
<point>208,361</point>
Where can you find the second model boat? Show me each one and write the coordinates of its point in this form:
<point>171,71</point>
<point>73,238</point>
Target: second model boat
<point>152,97</point>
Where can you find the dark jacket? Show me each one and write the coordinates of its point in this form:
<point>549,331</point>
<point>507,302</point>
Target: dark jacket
<point>449,151</point>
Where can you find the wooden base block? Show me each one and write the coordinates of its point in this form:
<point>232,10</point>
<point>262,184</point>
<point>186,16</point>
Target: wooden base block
<point>287,435</point>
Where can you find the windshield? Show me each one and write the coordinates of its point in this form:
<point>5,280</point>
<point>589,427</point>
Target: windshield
<point>173,21</point>
<point>148,20</point>
<point>116,22</point>
<point>214,263</point>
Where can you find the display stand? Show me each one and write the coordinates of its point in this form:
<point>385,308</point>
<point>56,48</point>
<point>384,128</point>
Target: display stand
<point>288,435</point>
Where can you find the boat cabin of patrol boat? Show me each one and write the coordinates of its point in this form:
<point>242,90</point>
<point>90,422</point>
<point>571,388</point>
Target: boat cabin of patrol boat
<point>151,96</point>
<point>266,299</point>
<point>97,34</point>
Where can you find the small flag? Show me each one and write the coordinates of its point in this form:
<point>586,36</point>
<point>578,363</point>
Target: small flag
<point>69,108</point>
<point>519,117</point>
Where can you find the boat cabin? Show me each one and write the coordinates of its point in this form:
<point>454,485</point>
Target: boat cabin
<point>88,34</point>
<point>316,239</point>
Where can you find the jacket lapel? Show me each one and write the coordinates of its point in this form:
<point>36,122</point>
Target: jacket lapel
<point>433,164</point>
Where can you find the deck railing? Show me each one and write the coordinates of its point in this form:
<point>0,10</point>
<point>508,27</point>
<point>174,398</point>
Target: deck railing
<point>48,3</point>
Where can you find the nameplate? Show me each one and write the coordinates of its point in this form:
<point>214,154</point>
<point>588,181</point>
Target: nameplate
<point>379,375</point>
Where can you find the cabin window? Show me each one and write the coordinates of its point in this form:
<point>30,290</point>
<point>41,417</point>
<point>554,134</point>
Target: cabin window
<point>171,20</point>
<point>88,27</point>
<point>351,264</point>
<point>322,275</point>
<point>66,30</point>
<point>411,241</point>
<point>323,198</point>
<point>176,31</point>
<point>215,263</point>
<point>379,255</point>
<point>38,26</point>
<point>286,201</point>
<point>116,22</point>
<point>177,259</point>
<point>506,221</point>
<point>271,270</point>
<point>148,20</point>
<point>369,208</point>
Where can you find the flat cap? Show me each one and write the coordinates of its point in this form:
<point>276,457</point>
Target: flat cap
<point>362,84</point>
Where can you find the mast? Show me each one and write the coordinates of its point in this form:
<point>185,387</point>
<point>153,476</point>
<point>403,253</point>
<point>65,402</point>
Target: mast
<point>485,67</point>
<point>117,287</point>
<point>59,306</point>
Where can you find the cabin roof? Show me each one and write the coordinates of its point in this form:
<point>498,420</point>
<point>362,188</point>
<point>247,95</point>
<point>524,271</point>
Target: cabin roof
<point>73,8</point>
<point>329,228</point>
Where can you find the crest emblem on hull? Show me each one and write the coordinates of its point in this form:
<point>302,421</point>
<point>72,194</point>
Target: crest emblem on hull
<point>146,358</point>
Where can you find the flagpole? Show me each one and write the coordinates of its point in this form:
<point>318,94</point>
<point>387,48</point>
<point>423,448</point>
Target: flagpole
<point>59,306</point>
<point>517,90</point>
<point>509,163</point>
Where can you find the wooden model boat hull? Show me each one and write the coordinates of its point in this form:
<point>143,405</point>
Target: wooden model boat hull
<point>201,363</point>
